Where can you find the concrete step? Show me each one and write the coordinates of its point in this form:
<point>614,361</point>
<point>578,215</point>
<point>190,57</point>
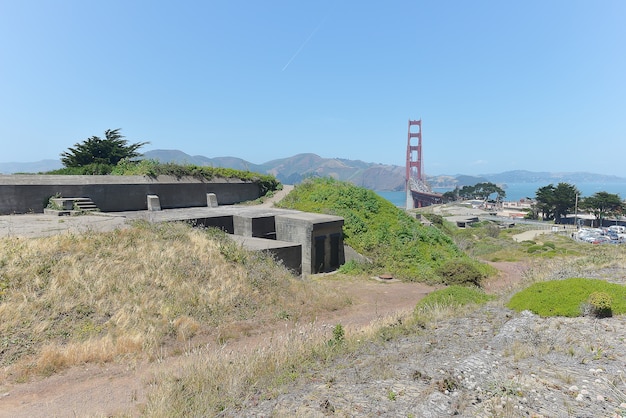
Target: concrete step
<point>76,203</point>
<point>85,204</point>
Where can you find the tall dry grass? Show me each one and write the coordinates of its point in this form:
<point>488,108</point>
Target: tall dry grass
<point>216,381</point>
<point>142,291</point>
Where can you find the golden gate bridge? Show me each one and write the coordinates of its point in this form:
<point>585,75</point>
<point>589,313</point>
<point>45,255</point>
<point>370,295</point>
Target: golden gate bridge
<point>418,192</point>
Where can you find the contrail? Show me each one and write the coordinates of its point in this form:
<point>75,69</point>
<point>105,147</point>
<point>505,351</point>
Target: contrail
<point>304,43</point>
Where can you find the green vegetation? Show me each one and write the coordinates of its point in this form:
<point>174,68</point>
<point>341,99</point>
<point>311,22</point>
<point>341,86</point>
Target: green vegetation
<point>114,156</point>
<point>603,204</point>
<point>395,242</point>
<point>482,191</point>
<point>487,241</point>
<point>567,297</point>
<point>555,202</point>
<point>460,272</point>
<point>600,304</point>
<point>453,296</point>
<point>152,168</point>
<point>97,153</point>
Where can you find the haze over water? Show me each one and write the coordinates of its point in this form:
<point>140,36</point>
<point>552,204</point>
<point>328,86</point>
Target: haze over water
<point>517,191</point>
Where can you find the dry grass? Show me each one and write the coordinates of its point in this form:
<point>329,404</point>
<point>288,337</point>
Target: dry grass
<point>215,382</point>
<point>220,381</point>
<point>142,291</point>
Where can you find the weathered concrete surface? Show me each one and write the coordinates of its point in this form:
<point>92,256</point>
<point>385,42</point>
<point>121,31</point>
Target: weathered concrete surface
<point>321,238</point>
<point>289,253</point>
<point>40,225</point>
<point>30,193</point>
<point>306,242</point>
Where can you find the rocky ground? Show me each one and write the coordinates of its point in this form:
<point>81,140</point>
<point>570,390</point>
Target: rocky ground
<point>491,362</point>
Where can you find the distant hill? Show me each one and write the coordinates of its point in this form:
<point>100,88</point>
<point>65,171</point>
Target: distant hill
<point>381,177</point>
<point>293,170</point>
<point>32,167</point>
<point>523,176</point>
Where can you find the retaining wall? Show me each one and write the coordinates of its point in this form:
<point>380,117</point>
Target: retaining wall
<point>30,193</point>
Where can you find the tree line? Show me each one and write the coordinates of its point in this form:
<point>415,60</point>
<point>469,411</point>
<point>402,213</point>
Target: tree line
<point>552,203</point>
<point>556,202</point>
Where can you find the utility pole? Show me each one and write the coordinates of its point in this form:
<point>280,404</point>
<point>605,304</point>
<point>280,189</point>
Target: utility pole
<point>576,212</point>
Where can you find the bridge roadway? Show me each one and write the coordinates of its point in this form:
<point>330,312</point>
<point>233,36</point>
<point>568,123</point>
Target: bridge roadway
<point>421,199</point>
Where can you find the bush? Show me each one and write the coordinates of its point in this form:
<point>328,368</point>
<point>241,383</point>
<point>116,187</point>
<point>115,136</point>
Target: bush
<point>97,169</point>
<point>453,296</point>
<point>492,231</point>
<point>355,267</point>
<point>600,304</point>
<point>435,219</point>
<point>460,272</point>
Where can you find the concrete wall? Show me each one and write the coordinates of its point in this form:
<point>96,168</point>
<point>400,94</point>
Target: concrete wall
<point>317,234</point>
<point>288,253</point>
<point>255,226</point>
<point>30,193</point>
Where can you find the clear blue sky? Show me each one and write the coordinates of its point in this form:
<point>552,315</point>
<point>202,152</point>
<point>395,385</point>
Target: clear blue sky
<point>499,85</point>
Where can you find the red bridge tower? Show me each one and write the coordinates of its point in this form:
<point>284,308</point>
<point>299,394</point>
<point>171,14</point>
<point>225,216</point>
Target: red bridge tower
<point>414,152</point>
<point>418,193</point>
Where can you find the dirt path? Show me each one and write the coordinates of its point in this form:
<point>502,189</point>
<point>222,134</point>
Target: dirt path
<point>120,388</point>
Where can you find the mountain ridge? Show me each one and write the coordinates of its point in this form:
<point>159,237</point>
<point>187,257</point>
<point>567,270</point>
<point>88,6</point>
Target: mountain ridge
<point>374,176</point>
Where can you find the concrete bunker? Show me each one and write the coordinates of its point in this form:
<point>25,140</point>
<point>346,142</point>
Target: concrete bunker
<point>306,243</point>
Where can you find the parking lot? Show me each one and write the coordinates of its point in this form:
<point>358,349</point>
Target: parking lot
<point>611,235</point>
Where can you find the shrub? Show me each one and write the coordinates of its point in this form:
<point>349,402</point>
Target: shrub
<point>492,231</point>
<point>453,296</point>
<point>435,219</point>
<point>600,304</point>
<point>85,170</point>
<point>152,168</point>
<point>460,272</point>
<point>355,267</point>
<point>339,336</point>
<point>534,249</point>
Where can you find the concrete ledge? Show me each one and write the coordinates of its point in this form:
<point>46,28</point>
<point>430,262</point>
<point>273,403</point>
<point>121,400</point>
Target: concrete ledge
<point>30,193</point>
<point>289,253</point>
<point>153,202</point>
<point>211,200</point>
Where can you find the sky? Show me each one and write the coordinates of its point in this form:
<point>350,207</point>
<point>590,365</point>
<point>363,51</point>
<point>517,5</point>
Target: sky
<point>499,85</point>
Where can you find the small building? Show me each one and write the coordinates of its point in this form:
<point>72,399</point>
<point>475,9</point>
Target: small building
<point>321,238</point>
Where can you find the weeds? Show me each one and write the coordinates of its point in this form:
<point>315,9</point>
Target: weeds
<point>100,297</point>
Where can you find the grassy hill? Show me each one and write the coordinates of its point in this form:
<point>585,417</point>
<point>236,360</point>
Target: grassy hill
<point>395,241</point>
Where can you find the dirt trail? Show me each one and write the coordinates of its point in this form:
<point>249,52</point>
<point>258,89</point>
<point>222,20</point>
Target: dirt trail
<point>120,388</point>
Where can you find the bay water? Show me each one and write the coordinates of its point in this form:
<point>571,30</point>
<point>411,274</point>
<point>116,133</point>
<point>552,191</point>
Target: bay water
<point>517,191</point>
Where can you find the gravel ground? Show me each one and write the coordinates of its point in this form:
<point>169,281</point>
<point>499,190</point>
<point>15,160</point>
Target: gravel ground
<point>491,362</point>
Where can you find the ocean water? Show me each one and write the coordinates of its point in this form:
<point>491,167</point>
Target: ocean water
<point>517,191</point>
